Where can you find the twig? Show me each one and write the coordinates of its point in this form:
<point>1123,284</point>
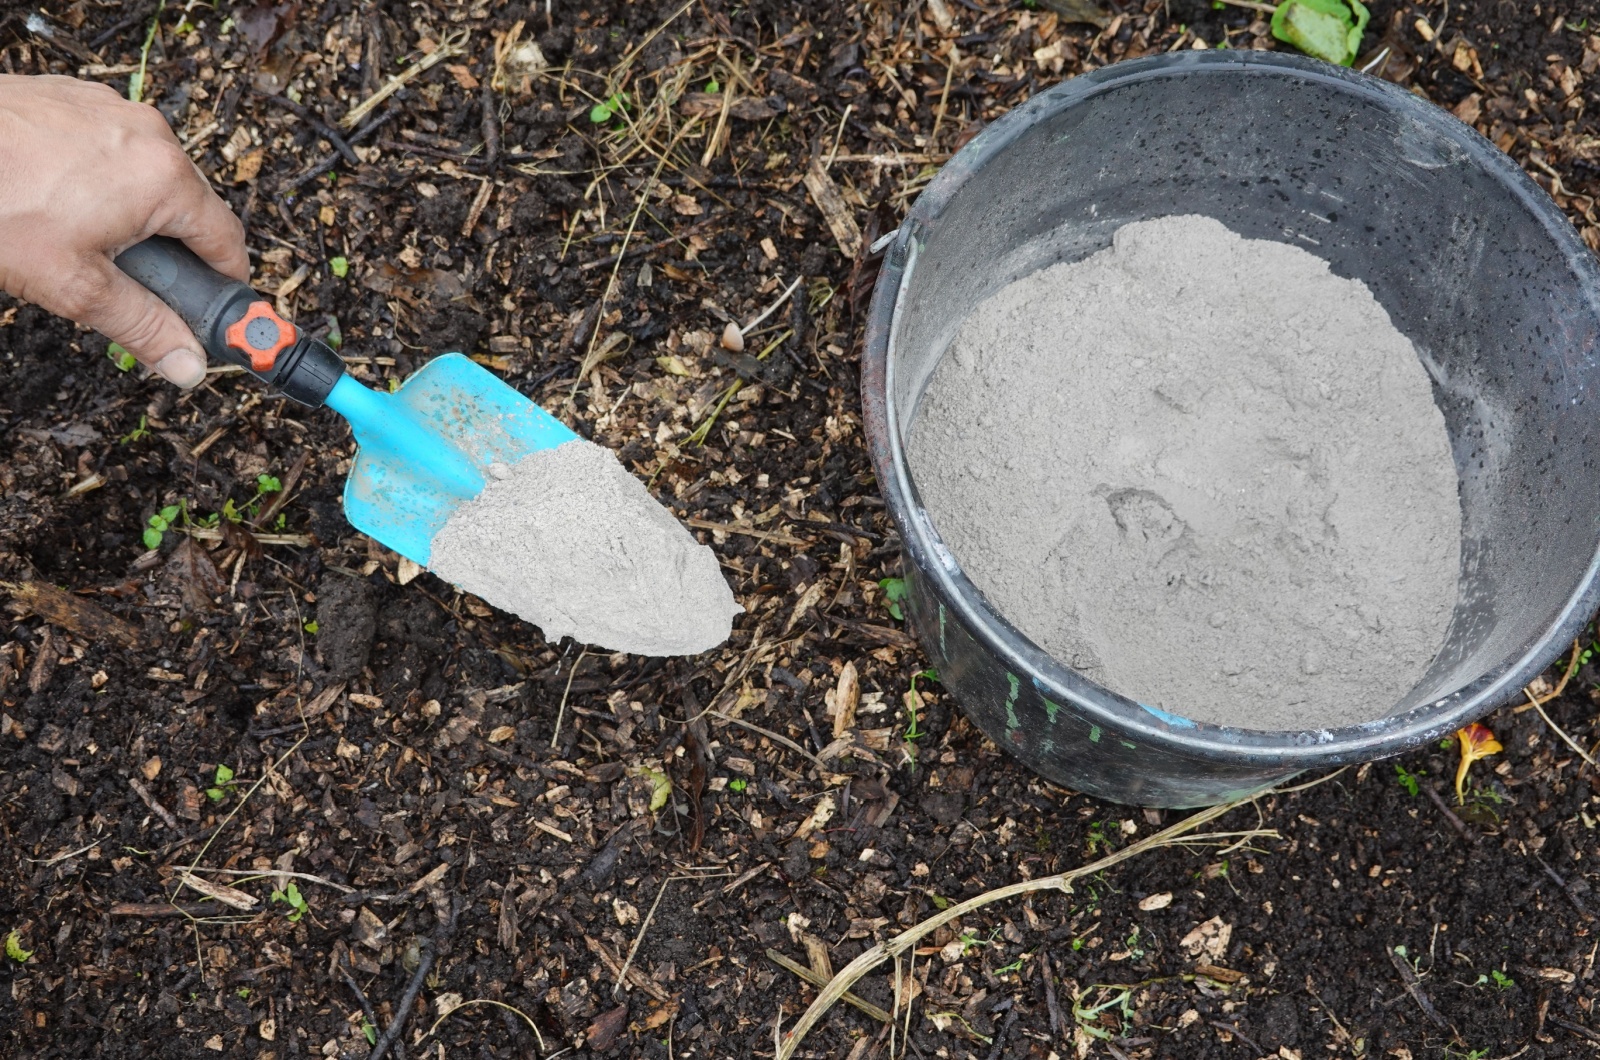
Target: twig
<point>1576,1028</point>
<point>774,737</point>
<point>361,996</point>
<point>489,124</point>
<point>1237,1033</point>
<point>331,159</point>
<point>326,131</point>
<point>1559,731</point>
<point>449,48</point>
<point>1566,888</point>
<point>1413,987</point>
<point>484,1001</point>
<point>773,308</point>
<point>908,938</point>
<point>1052,1004</point>
<point>821,980</point>
<point>150,800</point>
<point>1449,815</point>
<point>562,711</point>
<point>633,951</point>
<point>152,910</point>
<point>1561,686</point>
<point>408,1001</point>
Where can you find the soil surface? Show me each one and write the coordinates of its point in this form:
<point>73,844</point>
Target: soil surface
<point>265,792</point>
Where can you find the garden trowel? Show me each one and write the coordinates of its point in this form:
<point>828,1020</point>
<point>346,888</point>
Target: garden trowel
<point>422,451</point>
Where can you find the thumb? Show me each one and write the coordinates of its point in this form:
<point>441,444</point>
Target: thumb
<point>130,315</point>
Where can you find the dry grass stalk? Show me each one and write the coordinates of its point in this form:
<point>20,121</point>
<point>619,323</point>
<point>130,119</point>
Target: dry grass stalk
<point>449,48</point>
<point>884,951</point>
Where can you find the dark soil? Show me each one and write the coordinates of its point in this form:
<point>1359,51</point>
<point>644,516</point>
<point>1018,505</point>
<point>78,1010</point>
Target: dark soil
<point>399,746</point>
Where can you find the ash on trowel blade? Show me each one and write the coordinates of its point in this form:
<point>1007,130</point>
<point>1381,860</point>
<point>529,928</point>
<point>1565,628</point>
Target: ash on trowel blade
<point>568,540</point>
<point>1205,472</point>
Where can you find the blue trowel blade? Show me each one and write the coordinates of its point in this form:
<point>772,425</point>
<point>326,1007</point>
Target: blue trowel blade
<point>425,449</point>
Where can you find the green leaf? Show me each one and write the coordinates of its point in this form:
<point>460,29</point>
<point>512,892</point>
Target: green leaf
<point>661,787</point>
<point>216,794</point>
<point>1325,29</point>
<point>369,1031</point>
<point>224,775</point>
<point>713,86</point>
<point>268,484</point>
<point>894,590</point>
<point>14,948</point>
<point>600,114</point>
<point>170,512</point>
<point>152,537</point>
<point>312,627</point>
<point>340,267</point>
<point>738,784</point>
<point>120,357</point>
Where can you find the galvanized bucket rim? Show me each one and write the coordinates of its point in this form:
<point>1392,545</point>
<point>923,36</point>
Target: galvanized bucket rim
<point>1293,749</point>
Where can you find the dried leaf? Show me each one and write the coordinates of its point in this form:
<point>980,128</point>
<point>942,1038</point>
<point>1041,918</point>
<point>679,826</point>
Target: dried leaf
<point>842,700</point>
<point>825,194</point>
<point>194,575</point>
<point>74,614</point>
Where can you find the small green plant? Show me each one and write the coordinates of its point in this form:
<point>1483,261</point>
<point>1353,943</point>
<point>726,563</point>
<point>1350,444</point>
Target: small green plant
<point>970,940</point>
<point>138,434</point>
<point>1501,980</point>
<point>1088,1016</point>
<point>940,902</point>
<point>244,993</point>
<point>369,1031</point>
<point>1447,744</point>
<point>120,357</point>
<point>312,627</point>
<point>1014,966</point>
<point>1324,29</point>
<point>136,81</point>
<point>291,896</point>
<point>613,106</point>
<point>1097,839</point>
<point>219,788</point>
<point>160,523</point>
<point>1131,944</point>
<point>894,590</point>
<point>1408,780</point>
<point>913,702</point>
<point>340,266</point>
<point>738,784</point>
<point>14,948</point>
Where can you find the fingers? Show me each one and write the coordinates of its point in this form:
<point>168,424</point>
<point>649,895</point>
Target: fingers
<point>198,216</point>
<point>114,304</point>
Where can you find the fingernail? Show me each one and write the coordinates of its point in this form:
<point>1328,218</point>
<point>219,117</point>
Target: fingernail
<point>184,367</point>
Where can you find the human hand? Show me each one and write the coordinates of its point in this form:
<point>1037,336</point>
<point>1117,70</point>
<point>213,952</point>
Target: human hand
<point>85,174</point>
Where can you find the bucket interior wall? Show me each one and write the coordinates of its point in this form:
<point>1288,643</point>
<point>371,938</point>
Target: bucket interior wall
<point>1504,321</point>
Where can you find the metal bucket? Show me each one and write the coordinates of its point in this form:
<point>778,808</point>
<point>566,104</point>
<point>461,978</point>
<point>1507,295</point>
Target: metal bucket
<point>1472,261</point>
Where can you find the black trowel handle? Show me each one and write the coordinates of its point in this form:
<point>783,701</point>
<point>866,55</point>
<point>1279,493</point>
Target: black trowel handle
<point>233,322</point>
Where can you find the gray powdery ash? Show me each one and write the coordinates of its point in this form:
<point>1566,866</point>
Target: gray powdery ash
<point>1205,472</point>
<point>569,540</point>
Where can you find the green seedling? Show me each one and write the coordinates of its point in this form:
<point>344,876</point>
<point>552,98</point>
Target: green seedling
<point>136,82</point>
<point>940,902</point>
<point>738,784</point>
<point>1499,979</point>
<point>713,85</point>
<point>14,948</point>
<point>913,704</point>
<point>894,590</point>
<point>1408,780</point>
<point>243,992</point>
<point>1097,839</point>
<point>340,267</point>
<point>219,789</point>
<point>138,434</point>
<point>368,1031</point>
<point>312,627</point>
<point>1131,944</point>
<point>1088,1016</point>
<point>160,523</point>
<point>291,896</point>
<point>335,336</point>
<point>120,357</point>
<point>613,106</point>
<point>1324,29</point>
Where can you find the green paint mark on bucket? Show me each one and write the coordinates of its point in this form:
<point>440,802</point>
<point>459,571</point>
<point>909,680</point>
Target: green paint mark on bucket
<point>1129,745</point>
<point>1094,734</point>
<point>1011,702</point>
<point>1051,710</point>
<point>942,649</point>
